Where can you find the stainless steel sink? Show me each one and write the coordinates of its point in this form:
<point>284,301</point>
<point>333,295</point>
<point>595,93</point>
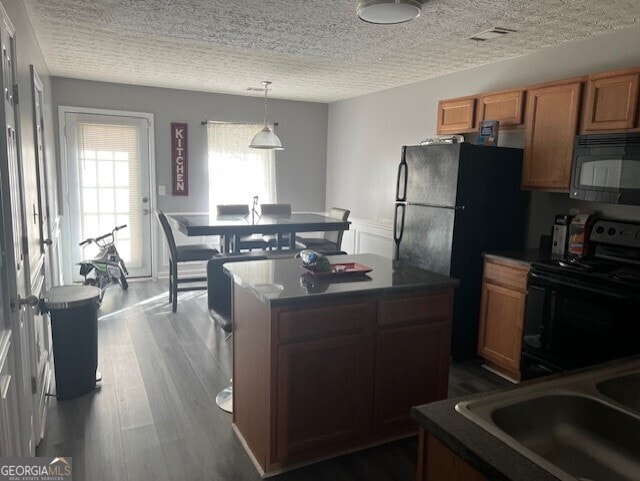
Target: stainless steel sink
<point>579,427</point>
<point>623,389</point>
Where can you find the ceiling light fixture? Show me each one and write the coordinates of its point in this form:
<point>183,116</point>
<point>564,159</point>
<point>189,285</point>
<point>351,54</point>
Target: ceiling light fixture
<point>266,139</point>
<point>388,12</point>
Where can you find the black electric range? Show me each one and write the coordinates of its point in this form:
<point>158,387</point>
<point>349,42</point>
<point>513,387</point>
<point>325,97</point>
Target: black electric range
<point>585,311</point>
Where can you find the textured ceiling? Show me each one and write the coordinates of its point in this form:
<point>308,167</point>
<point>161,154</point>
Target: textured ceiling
<point>314,50</point>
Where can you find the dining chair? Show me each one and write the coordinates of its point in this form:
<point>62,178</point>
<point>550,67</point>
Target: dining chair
<point>180,254</point>
<point>247,242</point>
<point>331,242</point>
<point>276,210</point>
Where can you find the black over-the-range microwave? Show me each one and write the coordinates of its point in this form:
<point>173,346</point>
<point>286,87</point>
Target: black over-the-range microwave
<point>606,168</point>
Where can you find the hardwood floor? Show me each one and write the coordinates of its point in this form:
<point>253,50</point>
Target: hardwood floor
<point>155,417</point>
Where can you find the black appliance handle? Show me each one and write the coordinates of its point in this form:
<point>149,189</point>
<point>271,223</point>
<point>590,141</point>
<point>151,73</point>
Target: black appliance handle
<point>551,282</point>
<point>398,229</point>
<point>402,177</point>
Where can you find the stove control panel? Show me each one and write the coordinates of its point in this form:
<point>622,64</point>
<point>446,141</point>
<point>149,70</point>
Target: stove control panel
<point>617,233</point>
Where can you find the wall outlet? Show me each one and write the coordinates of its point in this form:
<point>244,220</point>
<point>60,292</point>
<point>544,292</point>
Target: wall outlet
<point>162,190</point>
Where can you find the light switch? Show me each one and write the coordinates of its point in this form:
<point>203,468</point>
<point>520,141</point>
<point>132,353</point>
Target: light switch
<point>162,190</point>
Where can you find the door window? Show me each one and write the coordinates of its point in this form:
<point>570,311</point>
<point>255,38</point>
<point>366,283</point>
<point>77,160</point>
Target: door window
<point>109,185</point>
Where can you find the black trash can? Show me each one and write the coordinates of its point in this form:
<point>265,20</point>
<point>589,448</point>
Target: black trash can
<point>74,330</point>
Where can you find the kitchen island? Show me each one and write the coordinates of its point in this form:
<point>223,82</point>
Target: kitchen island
<point>327,365</point>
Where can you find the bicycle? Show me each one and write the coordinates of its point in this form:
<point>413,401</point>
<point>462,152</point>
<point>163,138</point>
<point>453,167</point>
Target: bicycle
<point>107,266</point>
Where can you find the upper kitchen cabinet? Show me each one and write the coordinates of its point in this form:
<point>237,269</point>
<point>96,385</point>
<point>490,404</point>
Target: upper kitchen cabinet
<point>551,124</point>
<point>505,107</point>
<point>612,102</point>
<point>456,116</point>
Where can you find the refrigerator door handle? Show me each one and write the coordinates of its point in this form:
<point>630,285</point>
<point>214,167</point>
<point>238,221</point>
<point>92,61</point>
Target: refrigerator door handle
<point>398,227</point>
<point>402,177</point>
<point>438,206</point>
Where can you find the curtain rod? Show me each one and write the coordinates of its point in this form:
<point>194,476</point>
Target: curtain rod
<point>206,122</point>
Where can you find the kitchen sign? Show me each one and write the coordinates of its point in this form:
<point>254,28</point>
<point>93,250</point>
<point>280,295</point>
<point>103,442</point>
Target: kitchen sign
<point>180,159</point>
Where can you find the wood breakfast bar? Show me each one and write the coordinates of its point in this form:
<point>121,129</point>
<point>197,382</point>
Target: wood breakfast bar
<point>328,364</point>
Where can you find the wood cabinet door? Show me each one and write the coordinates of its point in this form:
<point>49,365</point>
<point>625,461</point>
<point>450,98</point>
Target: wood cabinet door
<point>612,103</point>
<point>505,107</point>
<point>324,391</point>
<point>501,322</point>
<point>551,126</point>
<point>436,462</point>
<point>412,368</point>
<point>456,116</point>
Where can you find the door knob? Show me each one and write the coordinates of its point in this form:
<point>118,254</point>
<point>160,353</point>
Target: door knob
<point>47,242</point>
<point>31,301</point>
<point>145,211</point>
<point>145,200</point>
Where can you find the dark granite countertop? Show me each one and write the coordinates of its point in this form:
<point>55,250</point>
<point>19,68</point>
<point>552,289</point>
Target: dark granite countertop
<point>486,453</point>
<point>282,281</point>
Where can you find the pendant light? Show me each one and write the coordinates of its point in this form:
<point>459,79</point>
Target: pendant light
<point>388,12</point>
<point>266,139</point>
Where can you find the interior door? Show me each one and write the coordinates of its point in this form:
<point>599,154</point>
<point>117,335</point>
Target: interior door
<point>41,272</point>
<point>108,158</point>
<point>15,236</point>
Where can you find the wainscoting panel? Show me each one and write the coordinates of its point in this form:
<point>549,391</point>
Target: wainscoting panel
<point>368,237</point>
<point>363,237</point>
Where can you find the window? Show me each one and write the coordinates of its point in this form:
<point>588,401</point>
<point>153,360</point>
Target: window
<point>108,175</point>
<point>237,173</point>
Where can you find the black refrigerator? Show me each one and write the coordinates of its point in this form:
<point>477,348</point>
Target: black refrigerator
<point>454,202</point>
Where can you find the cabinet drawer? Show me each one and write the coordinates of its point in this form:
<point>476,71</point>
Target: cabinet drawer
<point>325,321</point>
<point>402,310</point>
<point>506,275</point>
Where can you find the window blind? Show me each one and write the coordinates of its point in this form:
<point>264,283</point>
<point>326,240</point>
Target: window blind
<point>109,181</point>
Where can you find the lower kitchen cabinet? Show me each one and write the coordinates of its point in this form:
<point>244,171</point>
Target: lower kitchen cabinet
<point>420,375</point>
<point>313,378</point>
<point>317,379</point>
<point>502,311</point>
<point>436,462</point>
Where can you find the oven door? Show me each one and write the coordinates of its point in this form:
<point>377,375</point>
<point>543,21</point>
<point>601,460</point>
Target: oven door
<point>570,325</point>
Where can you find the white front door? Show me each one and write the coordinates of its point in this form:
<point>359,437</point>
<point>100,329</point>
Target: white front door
<point>108,168</point>
<point>15,237</point>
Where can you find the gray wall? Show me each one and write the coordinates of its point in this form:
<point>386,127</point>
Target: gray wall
<point>366,133</point>
<point>300,168</point>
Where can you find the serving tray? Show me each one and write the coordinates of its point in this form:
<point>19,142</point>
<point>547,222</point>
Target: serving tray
<point>341,269</point>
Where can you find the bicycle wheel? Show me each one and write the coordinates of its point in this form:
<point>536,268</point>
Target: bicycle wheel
<point>123,282</point>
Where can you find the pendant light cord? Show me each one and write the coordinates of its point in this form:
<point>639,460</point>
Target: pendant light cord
<point>266,88</point>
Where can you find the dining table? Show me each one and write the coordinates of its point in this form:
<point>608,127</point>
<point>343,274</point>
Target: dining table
<point>231,228</point>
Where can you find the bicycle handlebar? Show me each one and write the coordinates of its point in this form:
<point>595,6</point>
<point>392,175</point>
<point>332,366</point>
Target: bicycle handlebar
<point>96,239</point>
